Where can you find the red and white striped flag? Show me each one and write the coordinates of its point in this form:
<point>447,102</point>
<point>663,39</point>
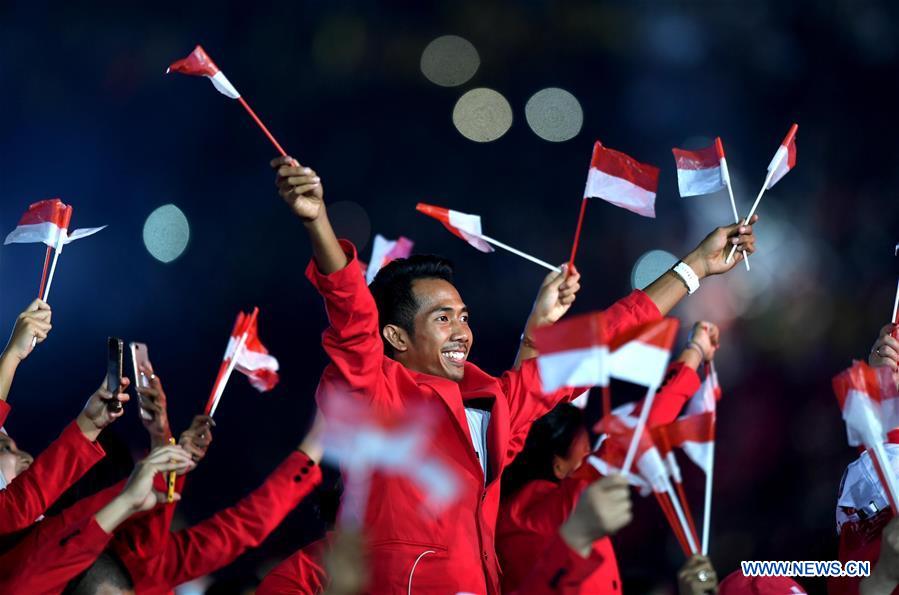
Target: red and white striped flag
<point>573,352</point>
<point>246,353</point>
<point>362,440</point>
<point>784,159</point>
<point>47,222</point>
<point>695,434</point>
<point>384,251</point>
<point>641,354</point>
<point>462,225</point>
<point>198,63</point>
<point>869,401</point>
<point>701,171</point>
<point>707,397</point>
<point>622,180</point>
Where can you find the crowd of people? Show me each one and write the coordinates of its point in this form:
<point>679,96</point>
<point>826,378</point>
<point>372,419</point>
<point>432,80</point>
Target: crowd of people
<point>530,515</point>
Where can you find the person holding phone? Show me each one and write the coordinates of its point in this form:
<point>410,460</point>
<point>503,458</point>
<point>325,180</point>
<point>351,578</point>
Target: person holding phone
<point>32,485</point>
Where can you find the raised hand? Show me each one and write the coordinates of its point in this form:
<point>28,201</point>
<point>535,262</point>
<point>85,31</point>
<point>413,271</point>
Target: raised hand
<point>557,293</point>
<point>96,415</point>
<point>138,492</point>
<point>153,412</point>
<point>300,187</point>
<point>710,257</point>
<point>196,439</point>
<point>697,577</point>
<point>706,336</point>
<point>32,327</point>
<point>603,509</point>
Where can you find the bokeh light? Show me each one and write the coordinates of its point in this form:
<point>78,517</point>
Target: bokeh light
<point>166,233</point>
<point>482,115</point>
<point>650,266</point>
<point>554,114</point>
<point>450,61</point>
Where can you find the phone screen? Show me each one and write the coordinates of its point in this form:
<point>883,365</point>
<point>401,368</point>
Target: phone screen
<point>113,370</point>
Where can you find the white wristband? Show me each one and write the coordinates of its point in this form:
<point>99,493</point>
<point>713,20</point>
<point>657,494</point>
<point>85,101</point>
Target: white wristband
<point>687,275</point>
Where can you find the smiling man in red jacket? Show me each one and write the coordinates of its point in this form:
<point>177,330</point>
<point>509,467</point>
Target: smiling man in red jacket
<point>419,317</point>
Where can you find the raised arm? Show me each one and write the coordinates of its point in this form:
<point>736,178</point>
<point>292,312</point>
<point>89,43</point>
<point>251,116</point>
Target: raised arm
<point>32,326</point>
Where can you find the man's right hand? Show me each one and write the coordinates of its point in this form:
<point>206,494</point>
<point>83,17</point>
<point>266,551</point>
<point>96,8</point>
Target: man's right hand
<point>197,438</point>
<point>300,187</point>
<point>153,411</point>
<point>602,510</point>
<point>96,415</point>
<point>32,325</point>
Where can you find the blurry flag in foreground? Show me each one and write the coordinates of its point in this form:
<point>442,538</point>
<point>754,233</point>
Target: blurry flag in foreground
<point>384,251</point>
<point>47,222</point>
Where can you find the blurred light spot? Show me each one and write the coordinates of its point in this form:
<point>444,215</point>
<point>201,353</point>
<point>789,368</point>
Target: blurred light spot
<point>350,221</point>
<point>166,233</point>
<point>554,114</point>
<point>449,61</point>
<point>650,266</point>
<point>675,39</point>
<point>482,115</point>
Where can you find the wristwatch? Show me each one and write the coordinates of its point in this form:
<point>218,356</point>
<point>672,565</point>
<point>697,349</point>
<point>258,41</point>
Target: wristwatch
<point>687,275</point>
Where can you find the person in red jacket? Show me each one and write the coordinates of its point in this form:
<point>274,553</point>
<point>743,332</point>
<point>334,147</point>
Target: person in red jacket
<point>540,488</point>
<point>60,547</point>
<point>862,508</point>
<point>414,313</point>
<point>32,485</point>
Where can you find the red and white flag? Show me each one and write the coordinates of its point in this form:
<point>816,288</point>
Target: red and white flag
<point>784,159</point>
<point>641,354</point>
<point>869,401</point>
<point>48,222</point>
<point>362,440</point>
<point>246,353</point>
<point>384,251</point>
<point>462,225</point>
<point>622,180</point>
<point>198,63</point>
<point>695,434</point>
<point>573,352</point>
<point>701,171</point>
<point>706,398</point>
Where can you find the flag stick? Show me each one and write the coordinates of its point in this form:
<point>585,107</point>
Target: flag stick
<point>895,305</point>
<point>221,387</point>
<point>669,515</point>
<point>755,205</point>
<point>680,517</point>
<point>638,431</point>
<point>707,506</point>
<point>679,486</point>
<point>577,231</point>
<point>40,292</point>
<point>253,115</point>
<point>170,487</point>
<point>733,204</point>
<point>499,244</point>
<point>46,289</point>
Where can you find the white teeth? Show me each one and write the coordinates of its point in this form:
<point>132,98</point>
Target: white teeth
<point>455,355</point>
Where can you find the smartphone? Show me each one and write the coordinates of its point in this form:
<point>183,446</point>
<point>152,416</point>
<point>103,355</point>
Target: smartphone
<point>114,348</point>
<point>139,358</point>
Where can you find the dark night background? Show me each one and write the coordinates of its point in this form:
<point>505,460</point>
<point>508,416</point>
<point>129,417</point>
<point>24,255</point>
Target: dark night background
<point>88,116</point>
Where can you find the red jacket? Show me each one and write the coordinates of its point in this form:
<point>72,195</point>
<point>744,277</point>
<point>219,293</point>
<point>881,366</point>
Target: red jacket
<point>859,541</point>
<point>4,411</point>
<point>57,549</point>
<point>157,567</point>
<point>53,471</point>
<point>533,516</point>
<point>559,570</point>
<point>452,551</point>
<point>300,574</point>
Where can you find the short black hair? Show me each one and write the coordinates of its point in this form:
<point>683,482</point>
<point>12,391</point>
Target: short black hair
<point>392,288</point>
<point>107,569</point>
<point>550,436</point>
